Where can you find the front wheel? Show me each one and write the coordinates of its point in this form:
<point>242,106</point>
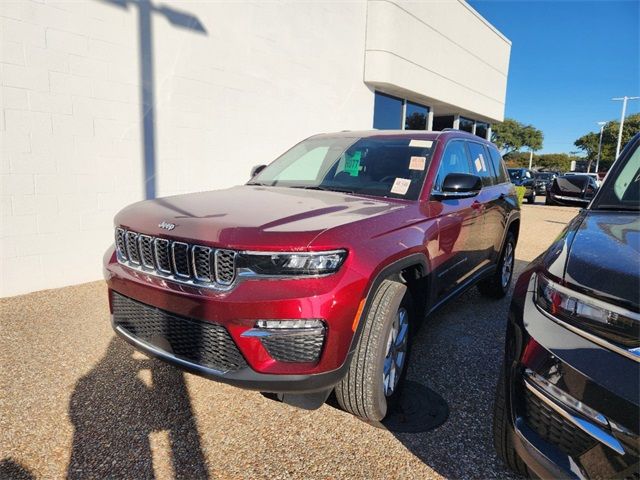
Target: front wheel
<point>378,367</point>
<point>497,285</point>
<point>502,432</point>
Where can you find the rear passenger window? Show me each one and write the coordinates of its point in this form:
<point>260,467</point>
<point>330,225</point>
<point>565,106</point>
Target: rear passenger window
<point>498,165</point>
<point>481,164</point>
<point>454,160</point>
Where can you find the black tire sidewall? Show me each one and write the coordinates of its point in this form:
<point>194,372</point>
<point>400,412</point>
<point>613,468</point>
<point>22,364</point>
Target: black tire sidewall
<point>386,403</point>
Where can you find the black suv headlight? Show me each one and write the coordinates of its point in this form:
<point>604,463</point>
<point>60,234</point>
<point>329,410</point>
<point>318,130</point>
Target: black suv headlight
<point>616,326</point>
<point>282,264</point>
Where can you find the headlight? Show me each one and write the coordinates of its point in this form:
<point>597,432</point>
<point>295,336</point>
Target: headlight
<point>291,264</point>
<point>617,326</point>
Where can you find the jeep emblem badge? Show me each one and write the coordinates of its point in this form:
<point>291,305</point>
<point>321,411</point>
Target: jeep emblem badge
<point>167,225</point>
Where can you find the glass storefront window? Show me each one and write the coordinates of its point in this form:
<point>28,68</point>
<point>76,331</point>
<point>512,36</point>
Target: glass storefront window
<point>415,117</point>
<point>466,125</point>
<point>387,112</point>
<point>481,129</point>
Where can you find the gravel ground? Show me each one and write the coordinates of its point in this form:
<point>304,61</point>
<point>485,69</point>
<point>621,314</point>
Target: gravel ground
<point>77,402</point>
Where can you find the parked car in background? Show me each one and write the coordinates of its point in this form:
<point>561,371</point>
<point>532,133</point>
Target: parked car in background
<point>542,180</point>
<point>568,399</point>
<point>571,189</point>
<point>523,177</point>
<point>595,176</point>
<point>312,277</point>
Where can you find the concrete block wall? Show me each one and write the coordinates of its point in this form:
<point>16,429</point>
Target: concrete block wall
<point>234,83</point>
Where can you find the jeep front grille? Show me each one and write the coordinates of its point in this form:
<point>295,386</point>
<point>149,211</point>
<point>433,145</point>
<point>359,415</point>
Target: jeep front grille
<point>180,261</point>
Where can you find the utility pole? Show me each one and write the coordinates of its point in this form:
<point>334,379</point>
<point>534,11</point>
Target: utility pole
<point>530,158</point>
<point>624,110</point>
<point>602,124</point>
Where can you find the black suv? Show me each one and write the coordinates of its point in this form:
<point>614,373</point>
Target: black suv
<point>568,399</point>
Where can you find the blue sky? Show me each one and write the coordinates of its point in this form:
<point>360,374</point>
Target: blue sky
<point>568,59</point>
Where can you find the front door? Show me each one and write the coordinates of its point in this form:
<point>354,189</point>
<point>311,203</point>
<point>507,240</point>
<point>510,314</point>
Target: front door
<point>459,245</point>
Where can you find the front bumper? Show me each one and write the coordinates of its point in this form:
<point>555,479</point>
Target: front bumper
<point>554,439</point>
<point>571,201</point>
<point>334,299</point>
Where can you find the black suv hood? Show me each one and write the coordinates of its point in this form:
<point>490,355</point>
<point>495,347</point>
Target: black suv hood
<point>604,257</point>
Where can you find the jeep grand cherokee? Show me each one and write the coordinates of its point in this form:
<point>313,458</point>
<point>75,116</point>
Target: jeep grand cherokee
<point>312,277</point>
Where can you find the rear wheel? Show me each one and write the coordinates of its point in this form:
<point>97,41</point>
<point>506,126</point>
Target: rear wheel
<point>502,431</point>
<point>497,285</point>
<point>378,367</point>
<point>531,198</point>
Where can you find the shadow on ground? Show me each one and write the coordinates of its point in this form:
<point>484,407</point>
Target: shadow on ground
<point>117,408</point>
<point>457,354</point>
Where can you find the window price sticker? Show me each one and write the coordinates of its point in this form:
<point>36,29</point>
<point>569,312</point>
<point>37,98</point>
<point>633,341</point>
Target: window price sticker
<point>421,143</point>
<point>401,186</point>
<point>417,163</point>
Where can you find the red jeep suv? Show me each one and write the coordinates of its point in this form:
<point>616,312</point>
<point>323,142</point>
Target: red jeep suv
<point>312,277</point>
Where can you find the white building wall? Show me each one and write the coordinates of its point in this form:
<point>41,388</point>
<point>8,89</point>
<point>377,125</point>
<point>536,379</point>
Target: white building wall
<point>440,52</point>
<point>260,77</point>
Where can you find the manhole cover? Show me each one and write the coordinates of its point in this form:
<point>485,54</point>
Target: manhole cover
<point>419,409</point>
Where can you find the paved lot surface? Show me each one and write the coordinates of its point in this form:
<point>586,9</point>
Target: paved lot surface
<point>77,402</point>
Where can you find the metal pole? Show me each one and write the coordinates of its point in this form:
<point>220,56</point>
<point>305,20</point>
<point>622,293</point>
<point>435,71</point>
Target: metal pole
<point>602,124</point>
<point>624,109</point>
<point>530,159</point>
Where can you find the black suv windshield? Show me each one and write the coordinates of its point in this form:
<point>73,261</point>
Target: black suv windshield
<point>623,191</point>
<point>383,167</point>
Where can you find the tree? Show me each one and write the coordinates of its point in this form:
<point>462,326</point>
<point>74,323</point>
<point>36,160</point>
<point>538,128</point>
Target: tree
<point>512,136</point>
<point>588,143</point>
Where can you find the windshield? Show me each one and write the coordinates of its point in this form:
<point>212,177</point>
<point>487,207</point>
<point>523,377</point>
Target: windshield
<point>623,191</point>
<point>544,176</point>
<point>515,174</point>
<point>384,167</point>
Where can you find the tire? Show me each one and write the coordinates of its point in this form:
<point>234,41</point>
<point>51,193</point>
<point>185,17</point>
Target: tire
<point>495,286</point>
<point>362,391</point>
<point>502,432</point>
<point>548,201</point>
<point>531,199</point>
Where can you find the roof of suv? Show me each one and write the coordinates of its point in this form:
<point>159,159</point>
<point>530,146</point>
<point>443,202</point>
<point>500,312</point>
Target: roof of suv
<point>427,134</point>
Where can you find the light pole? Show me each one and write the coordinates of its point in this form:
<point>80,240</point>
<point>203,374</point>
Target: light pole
<point>624,110</point>
<point>602,124</point>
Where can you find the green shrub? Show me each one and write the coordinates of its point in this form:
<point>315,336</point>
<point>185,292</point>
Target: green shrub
<point>520,191</point>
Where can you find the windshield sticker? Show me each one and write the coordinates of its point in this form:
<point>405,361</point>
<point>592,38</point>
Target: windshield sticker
<point>417,163</point>
<point>484,165</point>
<point>421,143</point>
<point>352,163</point>
<point>478,164</point>
<point>401,186</point>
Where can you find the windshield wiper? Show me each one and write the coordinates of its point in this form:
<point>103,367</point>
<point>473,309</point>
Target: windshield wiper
<point>626,208</point>
<point>323,188</point>
<point>258,184</point>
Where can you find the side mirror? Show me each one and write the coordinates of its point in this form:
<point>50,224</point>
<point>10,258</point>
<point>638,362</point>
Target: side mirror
<point>257,169</point>
<point>459,185</point>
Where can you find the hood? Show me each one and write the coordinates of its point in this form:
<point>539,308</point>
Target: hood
<point>604,257</point>
<point>246,217</point>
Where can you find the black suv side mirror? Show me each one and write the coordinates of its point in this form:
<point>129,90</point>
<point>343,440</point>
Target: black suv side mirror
<point>257,169</point>
<point>459,185</point>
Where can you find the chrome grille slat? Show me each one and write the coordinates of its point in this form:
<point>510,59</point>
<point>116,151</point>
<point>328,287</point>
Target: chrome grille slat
<point>145,243</point>
<point>196,265</point>
<point>121,244</point>
<point>225,266</point>
<point>163,255</point>
<point>133,254</point>
<point>201,257</point>
<point>180,258</point>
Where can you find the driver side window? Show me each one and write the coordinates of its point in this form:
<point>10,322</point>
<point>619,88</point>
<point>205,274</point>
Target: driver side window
<point>454,160</point>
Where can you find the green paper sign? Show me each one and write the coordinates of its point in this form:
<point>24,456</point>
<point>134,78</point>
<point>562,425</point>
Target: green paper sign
<point>352,164</point>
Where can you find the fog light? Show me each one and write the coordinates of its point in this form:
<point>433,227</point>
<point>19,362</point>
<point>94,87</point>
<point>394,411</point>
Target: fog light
<point>293,341</point>
<point>286,324</point>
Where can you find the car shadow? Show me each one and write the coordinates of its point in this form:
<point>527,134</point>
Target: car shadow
<point>119,405</point>
<point>457,353</point>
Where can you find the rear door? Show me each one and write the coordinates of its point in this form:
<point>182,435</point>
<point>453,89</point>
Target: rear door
<point>502,197</point>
